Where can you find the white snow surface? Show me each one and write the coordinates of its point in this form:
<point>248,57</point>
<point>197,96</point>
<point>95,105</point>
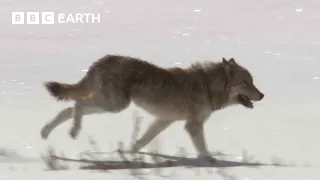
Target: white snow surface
<point>277,40</point>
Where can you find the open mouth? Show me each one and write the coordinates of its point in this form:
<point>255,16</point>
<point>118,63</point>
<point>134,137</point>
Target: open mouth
<point>245,101</point>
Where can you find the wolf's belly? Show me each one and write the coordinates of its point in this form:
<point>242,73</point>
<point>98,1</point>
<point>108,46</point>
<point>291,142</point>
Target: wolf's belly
<point>164,109</point>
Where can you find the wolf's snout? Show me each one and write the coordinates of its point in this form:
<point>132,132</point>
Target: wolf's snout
<point>261,96</point>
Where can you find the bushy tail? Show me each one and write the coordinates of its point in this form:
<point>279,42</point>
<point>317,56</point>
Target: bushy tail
<point>65,92</point>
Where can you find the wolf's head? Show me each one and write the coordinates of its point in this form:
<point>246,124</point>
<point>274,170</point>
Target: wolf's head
<point>240,81</point>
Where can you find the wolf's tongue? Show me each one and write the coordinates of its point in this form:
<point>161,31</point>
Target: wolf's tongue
<point>245,101</point>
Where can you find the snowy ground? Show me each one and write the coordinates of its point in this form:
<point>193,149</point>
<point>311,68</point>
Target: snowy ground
<point>277,40</point>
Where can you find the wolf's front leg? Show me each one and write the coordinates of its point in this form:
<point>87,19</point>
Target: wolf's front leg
<point>154,129</point>
<point>195,131</point>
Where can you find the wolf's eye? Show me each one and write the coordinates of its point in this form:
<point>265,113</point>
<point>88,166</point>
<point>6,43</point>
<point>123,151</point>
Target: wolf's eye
<point>246,84</point>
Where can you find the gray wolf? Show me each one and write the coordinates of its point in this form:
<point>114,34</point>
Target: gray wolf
<point>169,94</point>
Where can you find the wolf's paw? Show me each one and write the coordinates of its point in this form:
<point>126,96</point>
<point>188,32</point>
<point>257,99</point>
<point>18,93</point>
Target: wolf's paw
<point>74,131</point>
<point>208,158</point>
<point>45,132</point>
<point>129,151</point>
<point>132,151</point>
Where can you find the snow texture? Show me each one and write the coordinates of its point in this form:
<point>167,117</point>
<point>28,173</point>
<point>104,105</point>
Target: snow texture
<point>277,40</point>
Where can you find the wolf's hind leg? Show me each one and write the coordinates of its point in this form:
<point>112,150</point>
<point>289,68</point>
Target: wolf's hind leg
<point>153,130</point>
<point>77,118</point>
<point>111,95</point>
<point>61,117</point>
<point>66,114</point>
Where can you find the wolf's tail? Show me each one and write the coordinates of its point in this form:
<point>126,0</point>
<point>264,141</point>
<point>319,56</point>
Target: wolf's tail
<point>66,92</point>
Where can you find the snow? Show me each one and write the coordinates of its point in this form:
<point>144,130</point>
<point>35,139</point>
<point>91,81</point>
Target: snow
<point>277,40</point>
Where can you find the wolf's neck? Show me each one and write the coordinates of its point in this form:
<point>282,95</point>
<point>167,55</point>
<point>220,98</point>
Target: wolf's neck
<point>216,77</point>
<point>216,80</point>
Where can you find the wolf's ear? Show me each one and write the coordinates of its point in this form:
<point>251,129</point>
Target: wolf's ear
<point>224,60</point>
<point>232,61</point>
<point>226,65</point>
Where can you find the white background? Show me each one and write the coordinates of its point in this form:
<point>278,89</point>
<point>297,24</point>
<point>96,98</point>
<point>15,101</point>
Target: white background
<point>277,40</point>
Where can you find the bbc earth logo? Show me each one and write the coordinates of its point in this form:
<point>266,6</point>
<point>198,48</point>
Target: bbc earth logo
<point>54,18</point>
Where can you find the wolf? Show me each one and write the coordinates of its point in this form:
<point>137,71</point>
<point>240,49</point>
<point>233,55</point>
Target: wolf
<point>190,94</point>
